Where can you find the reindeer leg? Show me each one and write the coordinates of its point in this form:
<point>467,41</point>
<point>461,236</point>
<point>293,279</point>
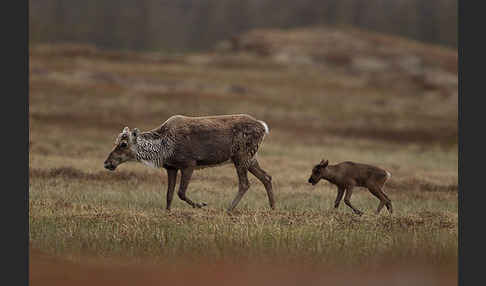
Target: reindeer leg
<point>347,197</point>
<point>384,200</point>
<point>171,177</point>
<point>339,197</point>
<point>186,174</point>
<point>388,203</point>
<point>266,180</point>
<point>243,185</point>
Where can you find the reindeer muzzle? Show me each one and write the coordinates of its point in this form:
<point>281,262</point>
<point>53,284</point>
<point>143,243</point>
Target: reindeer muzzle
<point>110,166</point>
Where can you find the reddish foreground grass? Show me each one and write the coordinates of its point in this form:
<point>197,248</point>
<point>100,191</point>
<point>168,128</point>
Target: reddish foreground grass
<point>52,271</point>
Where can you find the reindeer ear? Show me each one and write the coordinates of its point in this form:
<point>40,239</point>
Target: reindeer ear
<point>324,163</point>
<point>135,132</point>
<point>126,130</point>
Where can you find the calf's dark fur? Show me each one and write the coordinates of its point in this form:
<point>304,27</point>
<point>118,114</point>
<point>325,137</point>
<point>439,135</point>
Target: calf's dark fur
<point>347,175</point>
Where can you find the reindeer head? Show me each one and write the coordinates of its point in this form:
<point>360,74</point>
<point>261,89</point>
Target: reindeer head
<point>125,149</point>
<point>318,172</point>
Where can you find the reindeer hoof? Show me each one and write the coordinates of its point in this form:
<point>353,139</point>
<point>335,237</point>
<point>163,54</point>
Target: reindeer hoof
<point>200,205</point>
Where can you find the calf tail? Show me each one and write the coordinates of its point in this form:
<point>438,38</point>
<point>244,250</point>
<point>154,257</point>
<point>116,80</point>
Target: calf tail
<point>388,176</point>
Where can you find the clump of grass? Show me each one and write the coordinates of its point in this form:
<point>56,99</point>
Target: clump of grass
<point>133,223</point>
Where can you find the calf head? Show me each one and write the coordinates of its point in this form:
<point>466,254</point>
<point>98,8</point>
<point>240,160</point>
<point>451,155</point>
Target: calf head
<point>125,149</point>
<point>318,172</point>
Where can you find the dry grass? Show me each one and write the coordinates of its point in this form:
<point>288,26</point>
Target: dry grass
<point>80,98</point>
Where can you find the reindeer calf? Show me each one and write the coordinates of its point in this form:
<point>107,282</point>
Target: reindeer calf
<point>347,175</point>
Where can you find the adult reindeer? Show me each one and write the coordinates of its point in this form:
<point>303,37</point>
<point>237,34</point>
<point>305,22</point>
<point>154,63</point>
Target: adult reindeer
<point>189,143</point>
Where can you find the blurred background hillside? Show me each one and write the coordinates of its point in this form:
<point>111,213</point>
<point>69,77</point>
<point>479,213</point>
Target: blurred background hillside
<point>198,24</point>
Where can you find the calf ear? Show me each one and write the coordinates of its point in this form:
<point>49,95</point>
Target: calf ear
<point>324,163</point>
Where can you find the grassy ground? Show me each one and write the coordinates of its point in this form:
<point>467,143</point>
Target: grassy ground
<point>81,98</point>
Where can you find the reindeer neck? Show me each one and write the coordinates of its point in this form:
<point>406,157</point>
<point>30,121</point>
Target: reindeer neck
<point>330,174</point>
<point>152,149</point>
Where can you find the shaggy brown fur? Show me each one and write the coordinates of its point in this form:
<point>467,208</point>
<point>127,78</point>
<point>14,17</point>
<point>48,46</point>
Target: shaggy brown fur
<point>189,143</point>
<point>347,175</point>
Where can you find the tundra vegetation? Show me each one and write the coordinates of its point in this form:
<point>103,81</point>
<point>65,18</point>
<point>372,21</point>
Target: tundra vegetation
<point>81,98</point>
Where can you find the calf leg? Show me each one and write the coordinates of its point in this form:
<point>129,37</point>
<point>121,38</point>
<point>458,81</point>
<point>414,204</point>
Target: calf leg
<point>388,203</point>
<point>384,200</point>
<point>186,174</point>
<point>243,186</point>
<point>347,197</point>
<point>171,177</point>
<point>266,180</point>
<point>339,197</point>
<point>374,191</point>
